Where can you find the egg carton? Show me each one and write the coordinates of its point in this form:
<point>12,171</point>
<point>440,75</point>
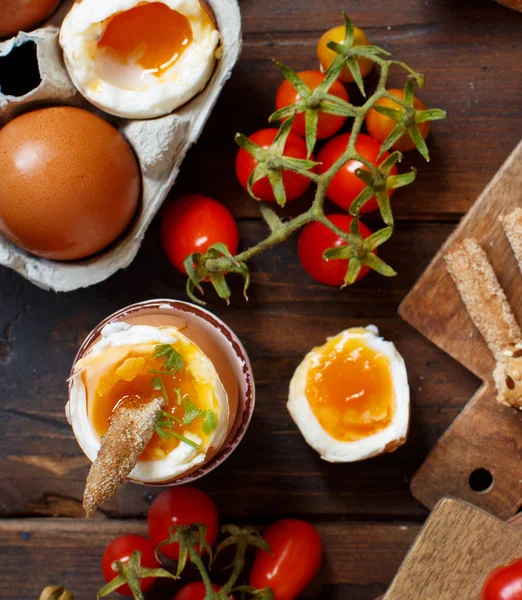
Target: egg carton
<point>160,146</point>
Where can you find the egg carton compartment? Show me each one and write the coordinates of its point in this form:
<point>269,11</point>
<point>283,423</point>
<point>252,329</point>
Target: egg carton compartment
<point>160,144</point>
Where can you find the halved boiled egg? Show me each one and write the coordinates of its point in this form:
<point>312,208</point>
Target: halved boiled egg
<point>139,59</point>
<point>124,364</point>
<point>350,397</point>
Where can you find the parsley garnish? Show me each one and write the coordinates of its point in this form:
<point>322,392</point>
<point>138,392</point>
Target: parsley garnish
<point>193,412</point>
<point>173,360</point>
<point>164,428</point>
<point>158,385</point>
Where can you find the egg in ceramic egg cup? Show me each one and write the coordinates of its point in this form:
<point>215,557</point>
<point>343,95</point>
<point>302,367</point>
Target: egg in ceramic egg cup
<point>217,376</point>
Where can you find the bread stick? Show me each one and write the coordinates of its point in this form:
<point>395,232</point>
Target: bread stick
<point>489,310</point>
<point>132,426</point>
<point>512,224</point>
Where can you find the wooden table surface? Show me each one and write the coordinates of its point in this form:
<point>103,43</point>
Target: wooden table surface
<point>471,53</point>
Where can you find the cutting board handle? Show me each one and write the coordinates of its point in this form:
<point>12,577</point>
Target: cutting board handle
<point>477,459</point>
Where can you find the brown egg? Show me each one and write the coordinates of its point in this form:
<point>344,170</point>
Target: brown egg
<point>23,15</point>
<point>69,183</point>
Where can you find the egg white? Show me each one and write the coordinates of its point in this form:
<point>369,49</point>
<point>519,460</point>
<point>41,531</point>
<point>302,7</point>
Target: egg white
<point>188,75</point>
<point>181,459</point>
<point>386,440</point>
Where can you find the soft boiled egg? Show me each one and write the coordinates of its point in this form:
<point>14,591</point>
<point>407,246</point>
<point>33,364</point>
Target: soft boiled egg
<point>124,364</point>
<point>139,59</point>
<point>350,397</point>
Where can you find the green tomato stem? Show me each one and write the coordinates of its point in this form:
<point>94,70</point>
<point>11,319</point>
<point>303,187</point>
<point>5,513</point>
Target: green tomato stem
<point>280,230</point>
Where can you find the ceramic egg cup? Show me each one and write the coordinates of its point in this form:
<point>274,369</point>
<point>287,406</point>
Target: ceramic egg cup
<point>229,346</point>
<point>160,145</point>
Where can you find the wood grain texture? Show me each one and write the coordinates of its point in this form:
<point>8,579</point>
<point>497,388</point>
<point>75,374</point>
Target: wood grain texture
<point>360,560</point>
<point>273,472</point>
<point>515,521</point>
<point>486,434</point>
<point>456,549</point>
<point>469,52</point>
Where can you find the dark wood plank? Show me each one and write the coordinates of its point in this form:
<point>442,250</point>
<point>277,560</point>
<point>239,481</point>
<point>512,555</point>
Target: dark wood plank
<point>273,471</point>
<point>360,560</point>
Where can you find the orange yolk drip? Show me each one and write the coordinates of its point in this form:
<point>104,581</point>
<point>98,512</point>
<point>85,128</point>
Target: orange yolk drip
<point>350,390</point>
<point>131,379</point>
<point>150,34</point>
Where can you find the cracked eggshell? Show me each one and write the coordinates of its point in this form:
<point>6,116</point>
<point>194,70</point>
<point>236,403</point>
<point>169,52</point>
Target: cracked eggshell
<point>227,344</point>
<point>160,145</point>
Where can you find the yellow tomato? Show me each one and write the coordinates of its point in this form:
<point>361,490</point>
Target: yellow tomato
<point>327,56</point>
<point>380,126</point>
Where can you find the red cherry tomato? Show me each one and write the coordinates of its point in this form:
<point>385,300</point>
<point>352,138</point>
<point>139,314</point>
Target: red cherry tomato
<point>379,126</point>
<point>295,184</point>
<point>297,554</point>
<point>121,549</point>
<point>327,124</point>
<point>504,583</point>
<point>181,506</point>
<point>194,591</point>
<point>192,224</point>
<point>315,239</point>
<point>346,186</point>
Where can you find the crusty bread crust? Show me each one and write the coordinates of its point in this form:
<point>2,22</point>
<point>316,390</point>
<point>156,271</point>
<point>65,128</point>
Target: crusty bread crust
<point>132,426</point>
<point>483,297</point>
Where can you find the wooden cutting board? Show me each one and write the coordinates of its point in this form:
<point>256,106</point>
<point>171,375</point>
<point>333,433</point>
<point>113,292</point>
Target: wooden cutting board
<point>455,550</point>
<point>485,441</point>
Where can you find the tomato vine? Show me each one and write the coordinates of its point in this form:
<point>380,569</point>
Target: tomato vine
<point>215,264</point>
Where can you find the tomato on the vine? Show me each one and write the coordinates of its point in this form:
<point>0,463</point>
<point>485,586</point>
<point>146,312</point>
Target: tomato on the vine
<point>295,184</point>
<point>192,224</point>
<point>345,185</point>
<point>316,238</point>
<point>380,126</point>
<point>327,124</point>
<point>327,56</point>
<point>296,557</point>
<point>182,505</point>
<point>120,549</point>
<point>194,591</point>
<point>504,583</point>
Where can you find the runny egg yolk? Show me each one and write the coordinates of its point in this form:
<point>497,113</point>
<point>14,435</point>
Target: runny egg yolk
<point>151,35</point>
<point>131,379</point>
<point>350,391</point>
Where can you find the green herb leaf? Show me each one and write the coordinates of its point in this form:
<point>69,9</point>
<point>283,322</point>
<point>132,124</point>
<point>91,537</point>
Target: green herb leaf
<point>155,383</point>
<point>173,360</point>
<point>193,412</point>
<point>178,396</point>
<point>209,422</point>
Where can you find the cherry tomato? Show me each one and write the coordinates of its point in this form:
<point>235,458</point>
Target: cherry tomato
<point>504,583</point>
<point>192,224</point>
<point>295,184</point>
<point>380,126</point>
<point>315,239</point>
<point>120,550</point>
<point>327,56</point>
<point>182,505</point>
<point>327,124</point>
<point>346,186</point>
<point>194,591</point>
<point>297,554</point>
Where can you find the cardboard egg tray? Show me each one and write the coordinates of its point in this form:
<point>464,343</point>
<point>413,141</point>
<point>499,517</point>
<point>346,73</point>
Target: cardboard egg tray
<point>160,145</point>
